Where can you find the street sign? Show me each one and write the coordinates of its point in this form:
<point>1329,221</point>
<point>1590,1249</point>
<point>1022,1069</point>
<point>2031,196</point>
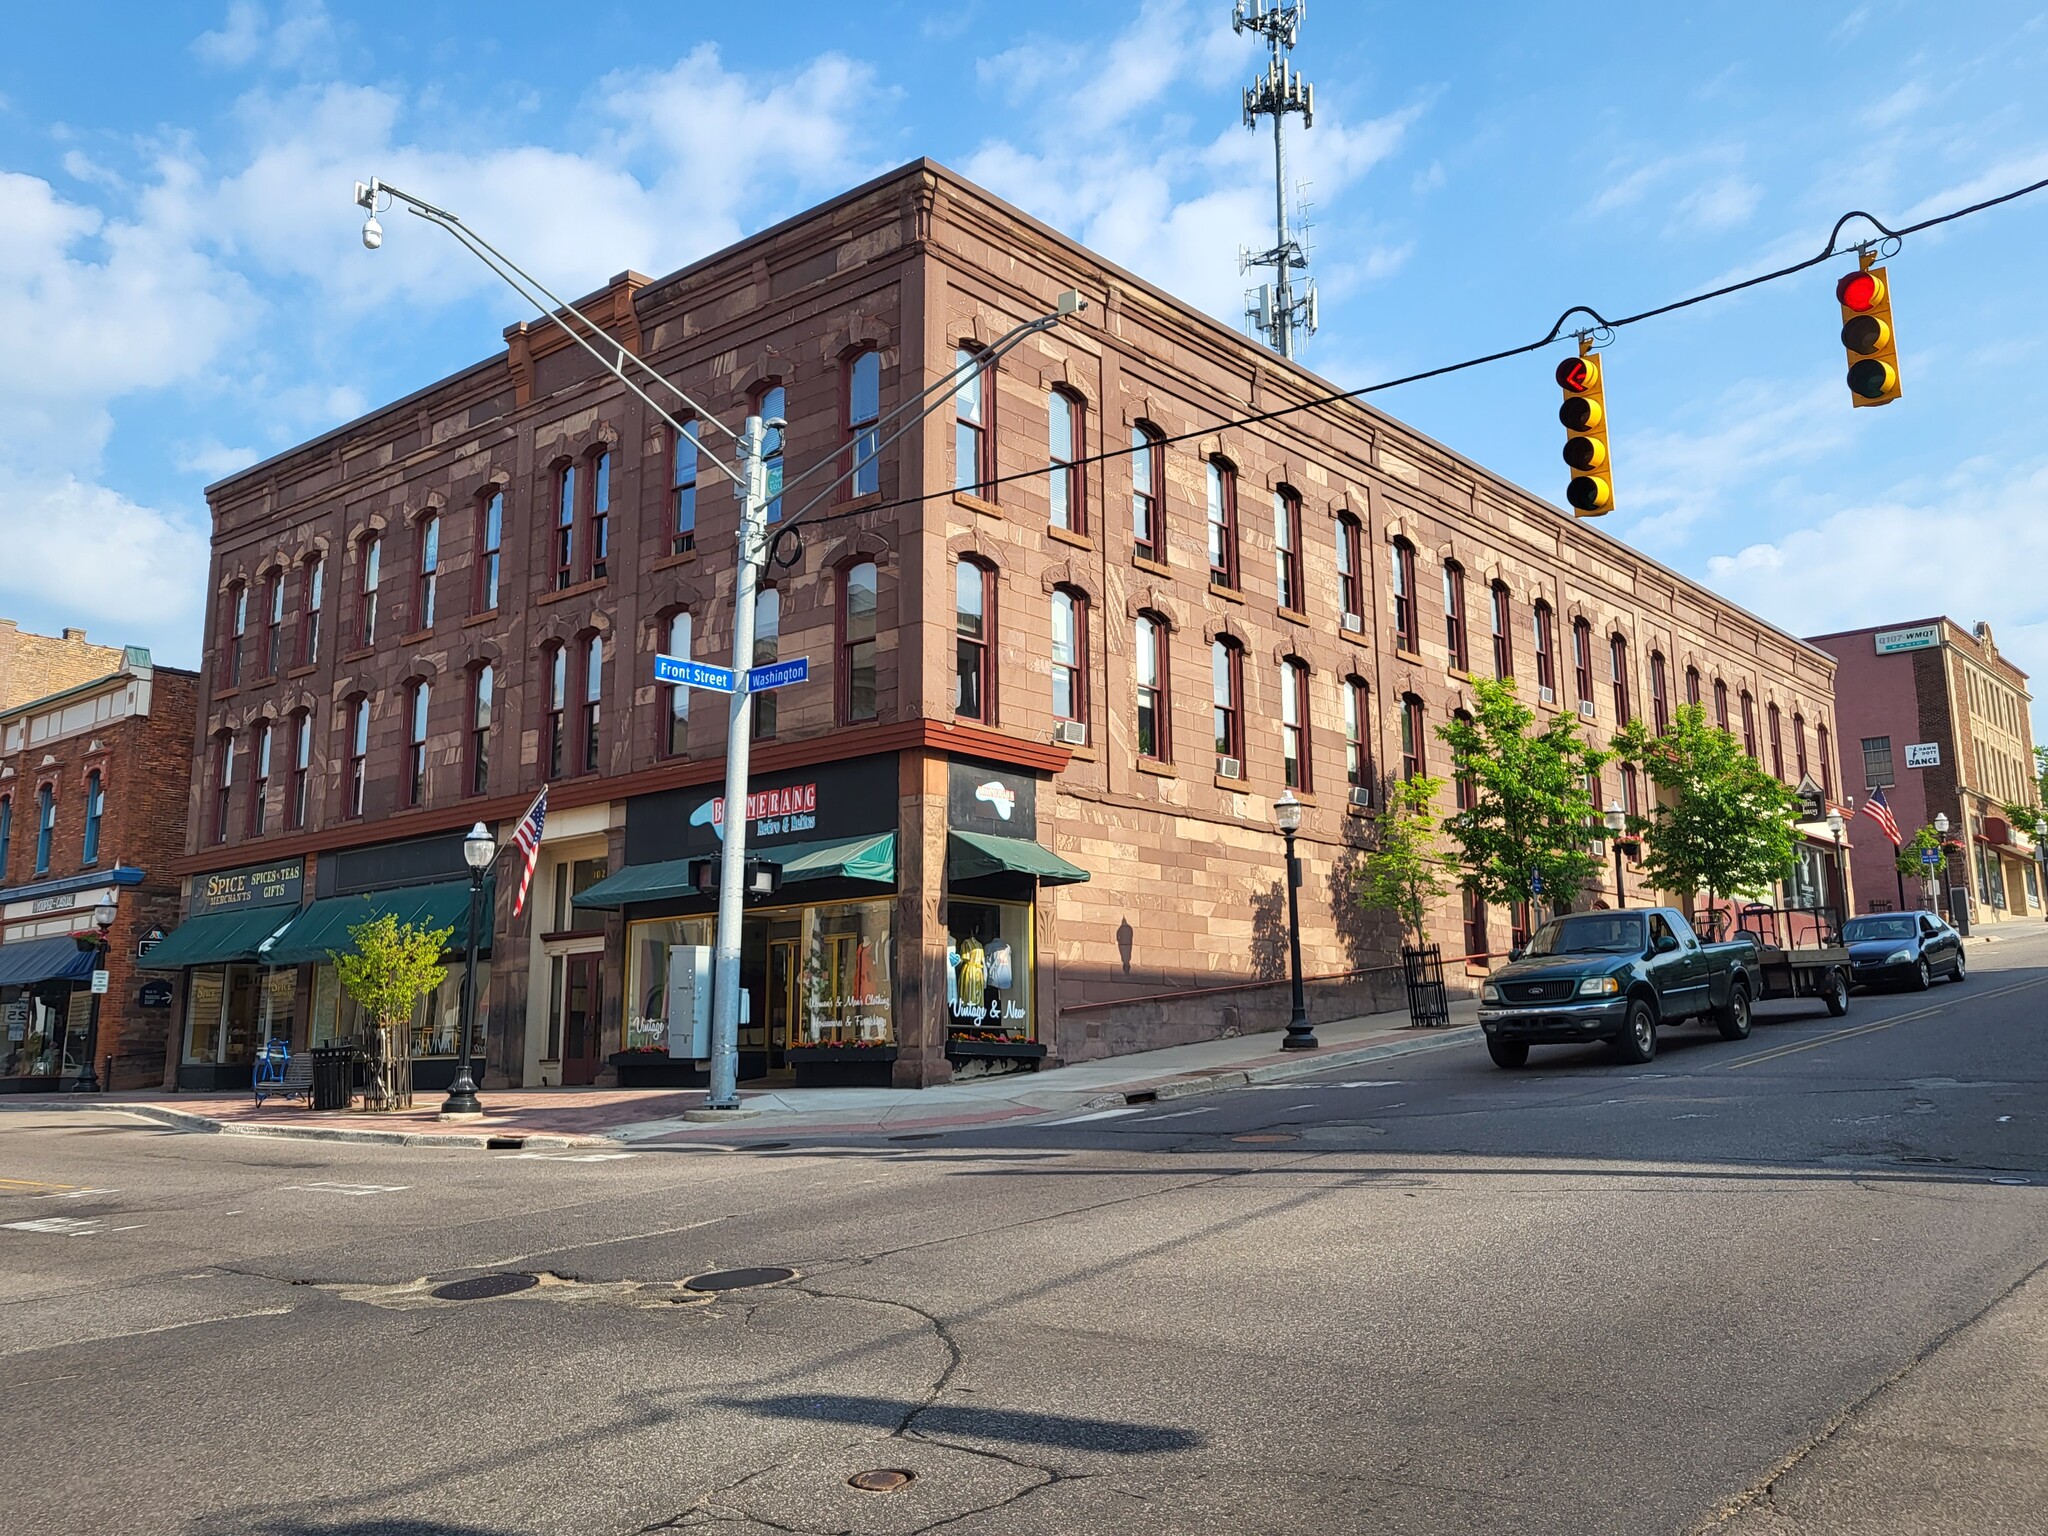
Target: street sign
<point>1929,857</point>
<point>779,674</point>
<point>99,983</point>
<point>692,674</point>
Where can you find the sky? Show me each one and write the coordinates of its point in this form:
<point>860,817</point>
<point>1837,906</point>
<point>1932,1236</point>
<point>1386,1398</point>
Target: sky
<point>183,290</point>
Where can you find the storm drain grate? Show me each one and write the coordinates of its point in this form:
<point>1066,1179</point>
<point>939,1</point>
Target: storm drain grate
<point>503,1143</point>
<point>484,1287</point>
<point>738,1279</point>
<point>882,1480</point>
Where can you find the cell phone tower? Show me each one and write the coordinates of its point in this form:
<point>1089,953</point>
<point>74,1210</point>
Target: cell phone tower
<point>1274,308</point>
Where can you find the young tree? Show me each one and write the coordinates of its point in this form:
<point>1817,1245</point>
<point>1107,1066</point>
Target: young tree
<point>1404,871</point>
<point>1910,863</point>
<point>1529,819</point>
<point>1727,827</point>
<point>2022,814</point>
<point>392,966</point>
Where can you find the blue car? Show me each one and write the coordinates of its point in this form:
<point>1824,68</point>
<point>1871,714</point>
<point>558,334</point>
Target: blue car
<point>1902,949</point>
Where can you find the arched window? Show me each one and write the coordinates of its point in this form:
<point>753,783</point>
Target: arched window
<point>1155,710</point>
<point>1148,491</point>
<point>416,707</point>
<point>1546,659</point>
<point>372,558</point>
<point>973,422</point>
<point>314,583</point>
<point>273,621</point>
<point>1295,765</point>
<point>483,704</point>
<point>235,624</point>
<point>1407,620</point>
<point>96,809</point>
<point>682,490</point>
<point>1454,617</point>
<point>1351,572</point>
<point>1070,657</point>
<point>1226,669</point>
<point>767,648</point>
<point>554,755</point>
<point>1692,686</point>
<point>1357,741</point>
<point>973,634</point>
<point>1721,703</point>
<point>427,585</point>
<point>1503,632</point>
<point>1287,549</point>
<point>1827,761</point>
<point>1223,523</point>
<point>863,415</point>
<point>6,833</point>
<point>1065,446</point>
<point>1660,703</point>
<point>565,525</point>
<point>259,784</point>
<point>1464,787</point>
<point>1799,745</point>
<point>358,754</point>
<point>600,540</point>
<point>1474,904</point>
<point>675,717</point>
<point>1412,759</point>
<point>302,768</point>
<point>1617,661</point>
<point>490,545</point>
<point>223,790</point>
<point>1749,725</point>
<point>857,642</point>
<point>1631,790</point>
<point>773,405</point>
<point>593,702</point>
<point>1772,719</point>
<point>46,820</point>
<point>1582,664</point>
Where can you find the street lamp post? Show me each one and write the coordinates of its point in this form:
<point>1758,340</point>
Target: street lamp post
<point>1836,825</point>
<point>103,916</point>
<point>479,850</point>
<point>1617,823</point>
<point>1287,817</point>
<point>2041,857</point>
<point>1942,897</point>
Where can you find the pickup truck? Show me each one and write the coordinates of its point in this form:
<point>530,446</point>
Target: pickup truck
<point>1618,977</point>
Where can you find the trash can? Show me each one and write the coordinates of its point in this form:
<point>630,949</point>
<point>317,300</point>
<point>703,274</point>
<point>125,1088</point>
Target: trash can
<point>334,1070</point>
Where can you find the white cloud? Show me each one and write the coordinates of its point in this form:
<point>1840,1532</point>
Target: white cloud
<point>237,39</point>
<point>302,35</point>
<point>1719,204</point>
<point>212,459</point>
<point>1711,196</point>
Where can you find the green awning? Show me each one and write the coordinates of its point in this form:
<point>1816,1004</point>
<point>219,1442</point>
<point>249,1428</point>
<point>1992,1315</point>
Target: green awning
<point>971,855</point>
<point>323,928</point>
<point>218,938</point>
<point>871,858</point>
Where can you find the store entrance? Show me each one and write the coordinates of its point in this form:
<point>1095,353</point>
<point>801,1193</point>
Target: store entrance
<point>580,1015</point>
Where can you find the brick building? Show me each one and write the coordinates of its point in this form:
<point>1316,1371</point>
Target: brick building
<point>92,810</point>
<point>1936,717</point>
<point>1025,802</point>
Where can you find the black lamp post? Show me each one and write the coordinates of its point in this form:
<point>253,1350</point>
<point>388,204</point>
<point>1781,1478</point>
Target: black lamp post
<point>1287,817</point>
<point>478,851</point>
<point>2041,854</point>
<point>103,917</point>
<point>1617,823</point>
<point>1835,825</point>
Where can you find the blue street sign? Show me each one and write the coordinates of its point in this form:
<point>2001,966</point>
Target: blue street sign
<point>692,674</point>
<point>1929,857</point>
<point>779,674</point>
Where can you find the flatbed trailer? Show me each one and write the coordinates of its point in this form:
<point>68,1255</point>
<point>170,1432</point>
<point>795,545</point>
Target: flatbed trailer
<point>1800,953</point>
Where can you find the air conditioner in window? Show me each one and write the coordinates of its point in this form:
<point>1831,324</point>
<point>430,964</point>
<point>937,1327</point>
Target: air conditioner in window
<point>1360,795</point>
<point>1549,695</point>
<point>1586,709</point>
<point>1353,624</point>
<point>1071,733</point>
<point>1230,767</point>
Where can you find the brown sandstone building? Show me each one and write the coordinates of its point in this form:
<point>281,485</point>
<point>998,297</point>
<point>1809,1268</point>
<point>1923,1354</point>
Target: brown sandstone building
<point>1024,803</point>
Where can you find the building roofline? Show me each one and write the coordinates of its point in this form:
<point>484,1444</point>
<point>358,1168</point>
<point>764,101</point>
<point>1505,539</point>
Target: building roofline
<point>1942,619</point>
<point>129,668</point>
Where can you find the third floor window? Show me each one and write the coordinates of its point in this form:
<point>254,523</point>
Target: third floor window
<point>1064,448</point>
<point>863,416</point>
<point>490,543</point>
<point>1222,524</point>
<point>1148,491</point>
<point>1454,617</point>
<point>366,601</point>
<point>429,572</point>
<point>1287,549</point>
<point>682,490</point>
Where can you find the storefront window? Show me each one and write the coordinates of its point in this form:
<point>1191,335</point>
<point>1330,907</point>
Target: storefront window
<point>231,1010</point>
<point>988,968</point>
<point>36,1020</point>
<point>436,1020</point>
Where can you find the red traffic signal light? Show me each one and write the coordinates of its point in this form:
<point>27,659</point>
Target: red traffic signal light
<point>1866,302</point>
<point>1584,415</point>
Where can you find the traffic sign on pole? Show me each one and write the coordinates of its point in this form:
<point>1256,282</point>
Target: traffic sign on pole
<point>779,674</point>
<point>1929,857</point>
<point>692,674</point>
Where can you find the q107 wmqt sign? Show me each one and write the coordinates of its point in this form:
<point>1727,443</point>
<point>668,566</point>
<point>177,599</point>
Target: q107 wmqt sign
<point>1922,637</point>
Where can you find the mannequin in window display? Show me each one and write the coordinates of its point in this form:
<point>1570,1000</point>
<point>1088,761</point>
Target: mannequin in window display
<point>973,980</point>
<point>952,975</point>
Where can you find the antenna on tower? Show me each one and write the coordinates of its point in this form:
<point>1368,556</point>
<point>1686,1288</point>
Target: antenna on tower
<point>1276,310</point>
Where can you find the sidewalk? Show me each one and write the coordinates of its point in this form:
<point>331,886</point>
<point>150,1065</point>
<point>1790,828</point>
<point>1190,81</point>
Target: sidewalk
<point>614,1117</point>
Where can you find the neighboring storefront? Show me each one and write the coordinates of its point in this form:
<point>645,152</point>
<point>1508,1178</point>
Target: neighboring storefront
<point>48,951</point>
<point>233,1001</point>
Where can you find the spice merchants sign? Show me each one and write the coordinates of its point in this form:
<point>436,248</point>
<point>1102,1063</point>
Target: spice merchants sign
<point>257,885</point>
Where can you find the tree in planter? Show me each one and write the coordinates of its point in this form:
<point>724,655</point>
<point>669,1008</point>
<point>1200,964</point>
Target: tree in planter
<point>393,965</point>
<point>1404,872</point>
<point>1529,819</point>
<point>1909,861</point>
<point>1724,825</point>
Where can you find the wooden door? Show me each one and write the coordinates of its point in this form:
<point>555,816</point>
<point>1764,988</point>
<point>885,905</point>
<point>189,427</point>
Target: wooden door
<point>784,1019</point>
<point>580,1013</point>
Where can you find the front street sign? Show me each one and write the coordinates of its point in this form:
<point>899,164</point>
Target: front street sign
<point>692,674</point>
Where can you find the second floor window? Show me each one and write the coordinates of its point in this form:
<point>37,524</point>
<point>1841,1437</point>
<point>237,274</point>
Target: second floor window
<point>1692,685</point>
<point>302,769</point>
<point>1069,656</point>
<point>1720,704</point>
<point>973,630</point>
<point>600,514</point>
<point>96,809</point>
<point>1222,524</point>
<point>1148,492</point>
<point>1407,622</point>
<point>767,648</point>
<point>593,702</point>
<point>1582,663</point>
<point>309,624</point>
<point>1226,683</point>
<point>1351,571</point>
<point>237,627</point>
<point>857,640</point>
<point>554,719</point>
<point>358,755</point>
<point>1294,759</point>
<point>1749,725</point>
<point>863,414</point>
<point>1827,762</point>
<point>259,780</point>
<point>1454,617</point>
<point>675,717</point>
<point>223,791</point>
<point>1660,704</point>
<point>1877,761</point>
<point>565,527</point>
<point>1411,736</point>
<point>6,833</point>
<point>1503,631</point>
<point>46,813</point>
<point>1617,663</point>
<point>973,451</point>
<point>1774,722</point>
<point>1287,549</point>
<point>1799,745</point>
<point>273,622</point>
<point>1150,667</point>
<point>1357,746</point>
<point>490,545</point>
<point>682,490</point>
<point>1546,661</point>
<point>366,608</point>
<point>483,703</point>
<point>1064,448</point>
<point>416,746</point>
<point>429,572</point>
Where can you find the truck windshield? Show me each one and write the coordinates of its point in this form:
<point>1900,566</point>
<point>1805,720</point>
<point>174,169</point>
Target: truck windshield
<point>1590,933</point>
<point>1861,929</point>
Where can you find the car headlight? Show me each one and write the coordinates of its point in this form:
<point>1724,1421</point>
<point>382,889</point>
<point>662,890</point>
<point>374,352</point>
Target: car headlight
<point>1599,986</point>
<point>1899,957</point>
<point>1489,993</point>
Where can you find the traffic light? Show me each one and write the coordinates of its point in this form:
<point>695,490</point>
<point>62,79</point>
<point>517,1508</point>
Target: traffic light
<point>1584,414</point>
<point>1866,300</point>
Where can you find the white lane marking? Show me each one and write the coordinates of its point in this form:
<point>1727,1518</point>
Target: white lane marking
<point>328,1187</point>
<point>1103,1114</point>
<point>1182,1114</point>
<point>137,1333</point>
<point>1397,1104</point>
<point>568,1157</point>
<point>2002,1119</point>
<point>1374,1082</point>
<point>74,1194</point>
<point>60,1226</point>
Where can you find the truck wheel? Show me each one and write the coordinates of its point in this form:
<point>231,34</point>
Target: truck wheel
<point>1733,1020</point>
<point>1835,992</point>
<point>1922,978</point>
<point>1508,1053</point>
<point>1637,1042</point>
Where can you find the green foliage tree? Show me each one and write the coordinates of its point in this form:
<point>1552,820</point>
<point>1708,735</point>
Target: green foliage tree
<point>390,968</point>
<point>1530,820</point>
<point>1724,825</point>
<point>2022,814</point>
<point>1405,871</point>
<point>1909,862</point>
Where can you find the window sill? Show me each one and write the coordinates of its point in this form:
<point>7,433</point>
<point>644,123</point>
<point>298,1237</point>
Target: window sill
<point>480,618</point>
<point>1228,594</point>
<point>1360,810</point>
<point>1156,567</point>
<point>1305,796</point>
<point>1462,674</point>
<point>581,589</point>
<point>860,503</point>
<point>1292,615</point>
<point>1067,536</point>
<point>1157,769</point>
<point>298,672</point>
<point>1414,656</point>
<point>225,693</point>
<point>416,637</point>
<point>670,562</point>
<point>1240,785</point>
<point>974,503</point>
<point>1356,637</point>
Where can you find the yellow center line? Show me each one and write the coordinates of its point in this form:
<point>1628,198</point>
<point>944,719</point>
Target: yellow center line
<point>33,1184</point>
<point>1854,1030</point>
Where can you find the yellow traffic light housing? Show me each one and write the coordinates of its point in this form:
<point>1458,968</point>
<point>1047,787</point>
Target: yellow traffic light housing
<point>1865,296</point>
<point>1584,414</point>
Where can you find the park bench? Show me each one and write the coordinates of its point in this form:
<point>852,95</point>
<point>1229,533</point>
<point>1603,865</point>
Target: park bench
<point>281,1075</point>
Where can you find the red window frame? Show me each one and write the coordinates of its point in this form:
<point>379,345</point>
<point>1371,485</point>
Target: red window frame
<point>370,571</point>
<point>1407,618</point>
<point>1721,703</point>
<point>1543,625</point>
<point>314,579</point>
<point>1159,688</point>
<point>1226,687</point>
<point>1222,514</point>
<point>1749,725</point>
<point>682,489</point>
<point>1148,491</point>
<point>1073,671</point>
<point>1660,703</point>
<point>1475,922</point>
<point>490,544</point>
<point>1414,753</point>
<point>858,628</point>
<point>483,705</point>
<point>1692,686</point>
<point>1776,723</point>
<point>678,636</point>
<point>418,702</point>
<point>1827,765</point>
<point>1067,485</point>
<point>974,422</point>
<point>273,621</point>
<point>974,649</point>
<point>1357,734</point>
<point>259,778</point>
<point>598,514</point>
<point>427,570</point>
<point>1294,734</point>
<point>223,788</point>
<point>565,525</point>
<point>1503,612</point>
<point>1582,661</point>
<point>234,628</point>
<point>554,660</point>
<point>302,763</point>
<point>1455,636</point>
<point>863,414</point>
<point>592,704</point>
<point>358,756</point>
<point>1351,567</point>
<point>1617,661</point>
<point>1464,787</point>
<point>1799,744</point>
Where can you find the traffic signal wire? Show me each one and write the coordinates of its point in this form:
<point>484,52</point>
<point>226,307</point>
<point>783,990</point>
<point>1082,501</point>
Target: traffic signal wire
<point>1550,338</point>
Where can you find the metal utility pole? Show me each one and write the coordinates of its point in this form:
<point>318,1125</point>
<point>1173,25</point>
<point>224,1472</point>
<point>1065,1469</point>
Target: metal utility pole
<point>1274,308</point>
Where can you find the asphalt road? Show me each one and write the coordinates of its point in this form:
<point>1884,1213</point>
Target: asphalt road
<point>1700,1295</point>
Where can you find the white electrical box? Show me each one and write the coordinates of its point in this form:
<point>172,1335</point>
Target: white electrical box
<point>689,1002</point>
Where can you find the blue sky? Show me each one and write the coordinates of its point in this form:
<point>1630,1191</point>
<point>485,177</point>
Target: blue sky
<point>182,290</point>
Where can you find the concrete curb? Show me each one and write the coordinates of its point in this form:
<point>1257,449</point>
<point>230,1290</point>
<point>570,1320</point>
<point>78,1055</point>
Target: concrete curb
<point>185,1120</point>
<point>1308,1065</point>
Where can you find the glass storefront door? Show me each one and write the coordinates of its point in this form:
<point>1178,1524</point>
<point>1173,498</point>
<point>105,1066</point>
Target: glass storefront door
<point>581,1015</point>
<point>230,1013</point>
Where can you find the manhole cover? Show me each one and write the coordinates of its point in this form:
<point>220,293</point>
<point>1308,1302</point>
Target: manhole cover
<point>738,1279</point>
<point>483,1287</point>
<point>881,1480</point>
<point>763,1146</point>
<point>1264,1138</point>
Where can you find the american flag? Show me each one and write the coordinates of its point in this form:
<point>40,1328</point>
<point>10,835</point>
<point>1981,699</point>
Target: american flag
<point>527,836</point>
<point>1875,808</point>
